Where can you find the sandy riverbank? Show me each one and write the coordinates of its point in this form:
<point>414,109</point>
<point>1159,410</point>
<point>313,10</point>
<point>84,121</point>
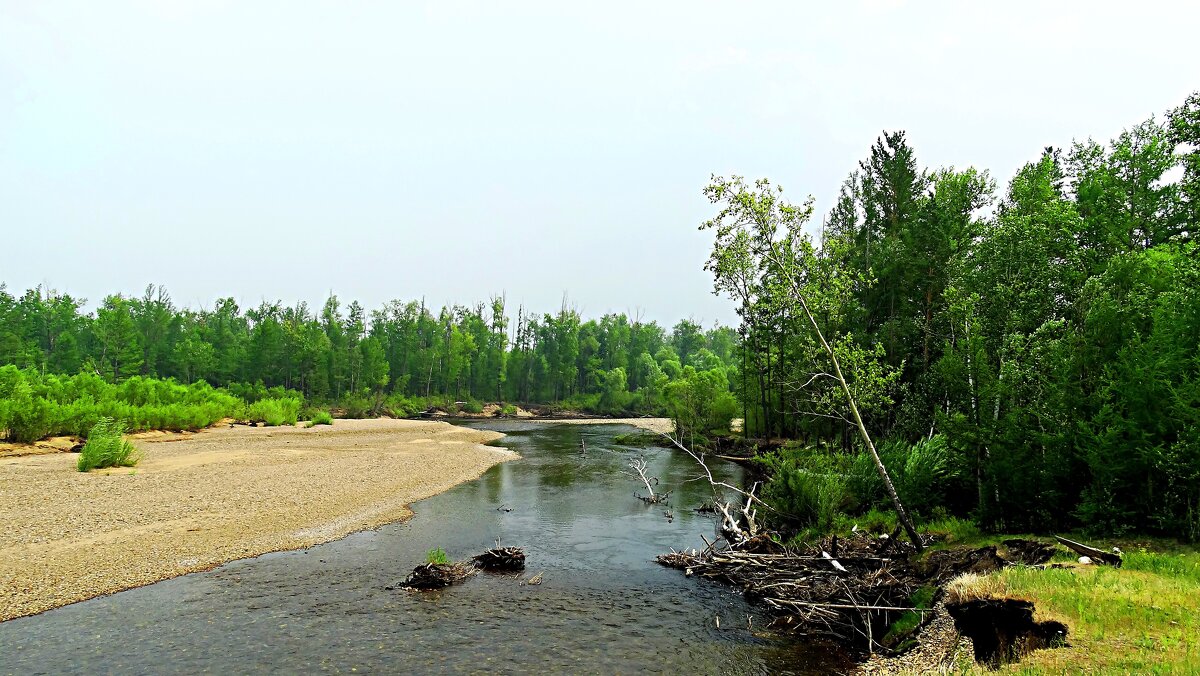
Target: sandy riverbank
<point>196,501</point>
<point>657,425</point>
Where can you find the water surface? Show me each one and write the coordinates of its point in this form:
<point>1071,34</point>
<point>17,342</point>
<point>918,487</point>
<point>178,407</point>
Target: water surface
<point>604,606</point>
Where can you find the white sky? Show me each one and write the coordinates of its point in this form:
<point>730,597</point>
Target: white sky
<point>454,150</point>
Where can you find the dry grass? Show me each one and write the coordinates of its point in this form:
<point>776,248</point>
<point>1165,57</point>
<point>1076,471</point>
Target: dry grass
<point>969,586</point>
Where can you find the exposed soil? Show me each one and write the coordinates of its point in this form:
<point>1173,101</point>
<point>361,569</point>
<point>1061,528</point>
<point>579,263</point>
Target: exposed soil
<point>212,497</point>
<point>1002,630</point>
<point>43,447</point>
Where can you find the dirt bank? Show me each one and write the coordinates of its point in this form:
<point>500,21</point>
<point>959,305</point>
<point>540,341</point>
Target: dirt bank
<point>197,501</point>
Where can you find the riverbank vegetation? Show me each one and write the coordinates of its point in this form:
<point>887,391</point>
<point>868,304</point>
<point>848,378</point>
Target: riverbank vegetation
<point>107,447</point>
<point>34,406</point>
<point>1029,358</point>
<point>399,360</point>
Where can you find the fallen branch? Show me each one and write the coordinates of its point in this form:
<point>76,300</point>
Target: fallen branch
<point>1112,558</point>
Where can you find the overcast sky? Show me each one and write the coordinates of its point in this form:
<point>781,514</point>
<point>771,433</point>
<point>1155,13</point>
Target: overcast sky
<point>454,150</point>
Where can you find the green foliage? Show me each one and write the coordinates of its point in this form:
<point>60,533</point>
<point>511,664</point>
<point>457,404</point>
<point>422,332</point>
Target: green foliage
<point>321,418</point>
<point>356,407</point>
<point>1035,368</point>
<point>274,412</point>
<point>921,473</point>
<point>107,447</point>
<point>473,407</point>
<point>508,410</point>
<point>34,406</point>
<point>807,486</point>
<point>437,555</point>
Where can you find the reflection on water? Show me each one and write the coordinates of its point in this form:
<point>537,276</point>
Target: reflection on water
<point>604,605</point>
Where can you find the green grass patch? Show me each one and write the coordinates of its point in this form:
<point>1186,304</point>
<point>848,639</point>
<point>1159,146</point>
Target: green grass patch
<point>1141,618</point>
<point>107,447</point>
<point>898,634</point>
<point>320,418</point>
<point>638,439</point>
<point>436,555</point>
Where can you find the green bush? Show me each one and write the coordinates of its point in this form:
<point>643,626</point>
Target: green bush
<point>920,472</point>
<point>807,485</point>
<point>508,410</point>
<point>321,418</point>
<point>274,412</point>
<point>400,406</point>
<point>107,447</point>
<point>437,555</point>
<point>35,405</point>
<point>472,406</point>
<point>357,407</point>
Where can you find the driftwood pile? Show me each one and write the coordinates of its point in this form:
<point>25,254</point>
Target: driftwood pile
<point>851,591</point>
<point>508,559</point>
<point>848,591</point>
<point>437,575</point>
<point>441,575</point>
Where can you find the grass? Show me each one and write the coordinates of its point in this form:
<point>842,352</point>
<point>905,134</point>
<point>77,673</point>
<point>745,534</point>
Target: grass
<point>437,555</point>
<point>1140,618</point>
<point>107,447</point>
<point>898,633</point>
<point>320,418</point>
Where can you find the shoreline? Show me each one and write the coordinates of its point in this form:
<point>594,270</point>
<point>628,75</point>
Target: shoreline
<point>655,425</point>
<point>199,500</point>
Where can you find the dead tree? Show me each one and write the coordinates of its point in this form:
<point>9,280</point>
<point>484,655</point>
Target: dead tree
<point>736,528</point>
<point>639,467</point>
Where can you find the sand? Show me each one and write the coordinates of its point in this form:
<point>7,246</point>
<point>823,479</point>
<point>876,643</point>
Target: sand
<point>656,425</point>
<point>196,501</point>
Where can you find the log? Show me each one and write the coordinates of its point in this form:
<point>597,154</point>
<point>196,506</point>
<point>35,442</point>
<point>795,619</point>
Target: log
<point>1099,555</point>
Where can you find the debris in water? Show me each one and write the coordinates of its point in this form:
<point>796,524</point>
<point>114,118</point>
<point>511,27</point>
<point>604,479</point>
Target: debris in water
<point>501,558</point>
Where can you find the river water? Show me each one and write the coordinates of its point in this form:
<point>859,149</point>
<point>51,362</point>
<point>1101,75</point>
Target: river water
<point>603,606</point>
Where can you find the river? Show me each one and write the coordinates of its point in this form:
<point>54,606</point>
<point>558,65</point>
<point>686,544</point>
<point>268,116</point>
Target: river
<point>603,606</point>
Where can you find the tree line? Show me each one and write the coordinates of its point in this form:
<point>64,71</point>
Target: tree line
<point>400,356</point>
<point>1033,352</point>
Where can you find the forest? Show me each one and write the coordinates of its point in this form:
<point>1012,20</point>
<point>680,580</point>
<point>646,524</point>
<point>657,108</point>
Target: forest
<point>1028,357</point>
<point>398,360</point>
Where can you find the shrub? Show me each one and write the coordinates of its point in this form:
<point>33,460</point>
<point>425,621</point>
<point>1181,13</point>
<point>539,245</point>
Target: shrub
<point>508,410</point>
<point>807,485</point>
<point>920,472</point>
<point>472,406</point>
<point>321,418</point>
<point>275,412</point>
<point>400,406</point>
<point>35,405</point>
<point>437,555</point>
<point>107,447</point>
<point>358,406</point>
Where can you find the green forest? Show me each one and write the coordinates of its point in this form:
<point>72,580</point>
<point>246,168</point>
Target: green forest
<point>398,360</point>
<point>1026,356</point>
<point>1029,356</point>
